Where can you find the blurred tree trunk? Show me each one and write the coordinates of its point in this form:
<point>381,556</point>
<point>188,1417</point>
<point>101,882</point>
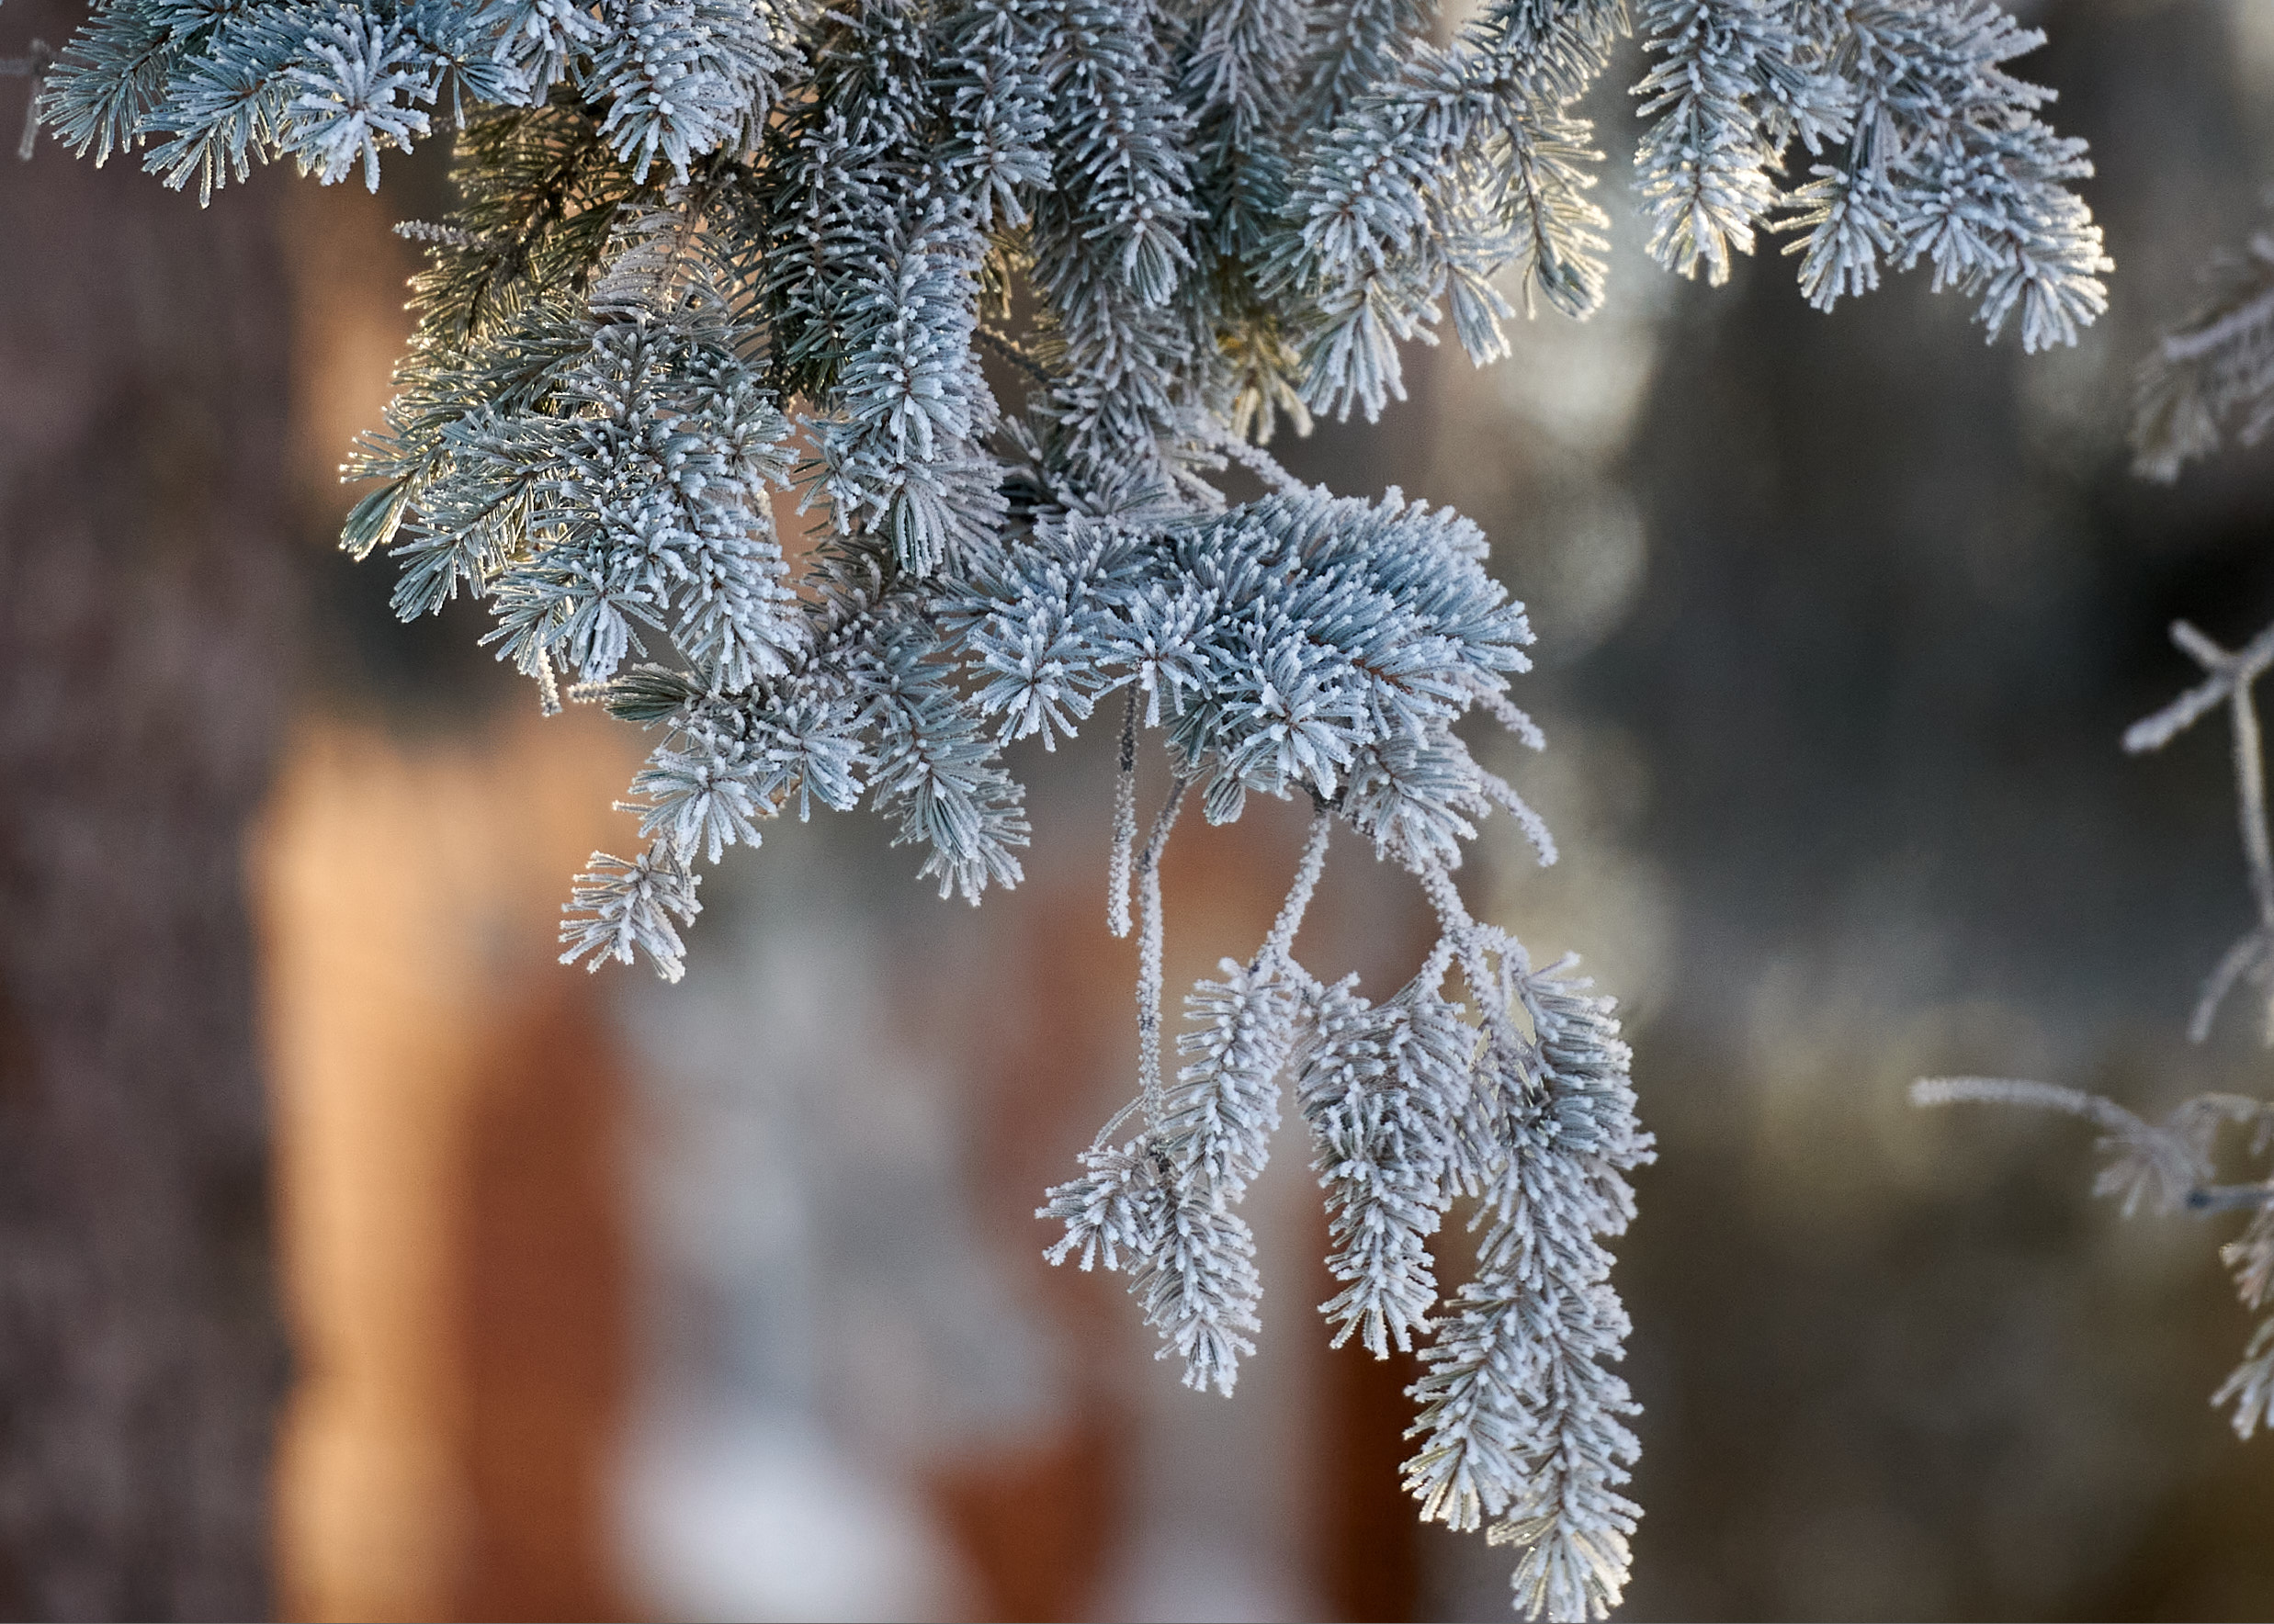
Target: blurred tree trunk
<point>146,625</point>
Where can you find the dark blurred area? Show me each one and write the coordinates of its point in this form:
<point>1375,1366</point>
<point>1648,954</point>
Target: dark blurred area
<point>150,622</point>
<point>608,1299</point>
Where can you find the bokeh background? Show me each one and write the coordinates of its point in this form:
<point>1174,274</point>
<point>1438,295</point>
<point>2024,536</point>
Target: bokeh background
<point>358,1261</point>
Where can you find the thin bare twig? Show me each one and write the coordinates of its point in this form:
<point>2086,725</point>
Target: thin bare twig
<point>38,58</point>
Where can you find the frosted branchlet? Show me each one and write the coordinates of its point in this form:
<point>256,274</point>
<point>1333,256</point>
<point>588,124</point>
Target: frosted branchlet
<point>621,905</point>
<point>357,90</point>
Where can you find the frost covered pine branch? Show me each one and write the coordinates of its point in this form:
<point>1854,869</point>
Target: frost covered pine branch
<point>1001,295</point>
<point>1918,146</point>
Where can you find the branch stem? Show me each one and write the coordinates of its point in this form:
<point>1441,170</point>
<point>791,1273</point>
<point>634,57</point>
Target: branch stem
<point>1125,824</point>
<point>1148,955</point>
<point>1278,945</point>
<point>2250,786</point>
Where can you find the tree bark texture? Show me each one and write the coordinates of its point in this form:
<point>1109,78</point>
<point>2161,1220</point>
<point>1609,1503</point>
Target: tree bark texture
<point>146,630</point>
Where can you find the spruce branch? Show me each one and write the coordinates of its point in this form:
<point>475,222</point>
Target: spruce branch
<point>705,251</point>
